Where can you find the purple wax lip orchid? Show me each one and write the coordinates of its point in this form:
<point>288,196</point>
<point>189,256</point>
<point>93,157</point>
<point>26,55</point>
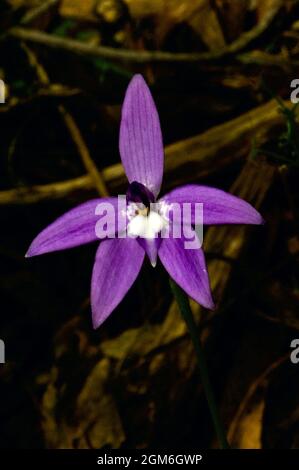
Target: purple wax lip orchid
<point>119,260</point>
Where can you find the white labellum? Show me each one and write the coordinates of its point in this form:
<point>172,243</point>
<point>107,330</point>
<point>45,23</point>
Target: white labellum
<point>146,226</point>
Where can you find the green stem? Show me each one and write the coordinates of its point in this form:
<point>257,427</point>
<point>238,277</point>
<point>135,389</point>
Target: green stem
<point>183,303</point>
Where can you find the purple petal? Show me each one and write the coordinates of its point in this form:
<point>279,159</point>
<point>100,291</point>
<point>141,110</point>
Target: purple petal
<point>76,227</point>
<point>117,264</point>
<point>151,247</point>
<point>188,269</point>
<point>140,143</point>
<point>219,207</point>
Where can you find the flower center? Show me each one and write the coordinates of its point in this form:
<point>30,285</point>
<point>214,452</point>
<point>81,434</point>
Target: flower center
<point>146,226</point>
<point>143,213</point>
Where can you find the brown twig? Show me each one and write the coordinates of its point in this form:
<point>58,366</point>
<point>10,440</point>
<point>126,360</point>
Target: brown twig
<point>260,381</point>
<point>54,89</point>
<point>29,195</point>
<point>187,160</point>
<point>265,59</point>
<point>35,12</point>
<point>72,127</point>
<point>84,152</point>
<point>254,57</point>
<point>81,48</point>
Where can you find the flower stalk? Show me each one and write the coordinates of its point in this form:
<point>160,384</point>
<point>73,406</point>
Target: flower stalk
<point>184,306</point>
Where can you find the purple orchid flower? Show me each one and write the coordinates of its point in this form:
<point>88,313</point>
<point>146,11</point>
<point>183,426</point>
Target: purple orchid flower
<point>119,260</point>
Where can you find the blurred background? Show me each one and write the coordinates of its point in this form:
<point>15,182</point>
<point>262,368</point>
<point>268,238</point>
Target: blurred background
<point>220,72</point>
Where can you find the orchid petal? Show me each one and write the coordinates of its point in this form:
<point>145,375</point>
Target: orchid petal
<point>188,269</point>
<point>76,227</point>
<point>117,264</point>
<point>219,207</point>
<point>151,247</point>
<point>140,143</point>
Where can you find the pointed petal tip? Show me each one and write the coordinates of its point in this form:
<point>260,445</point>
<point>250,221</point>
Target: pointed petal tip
<point>188,269</point>
<point>99,316</point>
<point>96,319</point>
<point>95,324</point>
<point>138,78</point>
<point>207,302</point>
<point>151,248</point>
<point>153,256</point>
<point>211,305</point>
<point>258,219</point>
<point>137,82</point>
<point>34,251</point>
<point>30,253</point>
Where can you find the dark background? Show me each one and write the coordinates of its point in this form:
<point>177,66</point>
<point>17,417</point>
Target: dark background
<point>134,383</point>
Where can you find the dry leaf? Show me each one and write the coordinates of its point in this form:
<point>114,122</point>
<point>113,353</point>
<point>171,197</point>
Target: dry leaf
<point>198,15</point>
<point>245,431</point>
<point>78,9</point>
<point>249,429</point>
<point>232,16</point>
<point>264,7</point>
<point>25,3</point>
<point>95,421</point>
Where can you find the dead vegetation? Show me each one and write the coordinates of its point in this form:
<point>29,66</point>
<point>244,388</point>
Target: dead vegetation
<point>220,72</point>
